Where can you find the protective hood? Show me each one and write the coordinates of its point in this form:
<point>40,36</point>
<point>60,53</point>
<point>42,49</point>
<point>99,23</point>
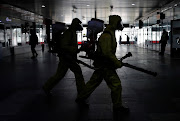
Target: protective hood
<point>76,24</point>
<point>116,22</point>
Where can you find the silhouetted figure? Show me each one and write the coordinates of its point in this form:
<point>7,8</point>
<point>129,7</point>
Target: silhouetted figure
<point>163,41</point>
<point>67,59</point>
<point>9,42</point>
<point>42,45</point>
<point>127,39</point>
<point>33,42</point>
<point>135,40</point>
<point>107,63</point>
<point>120,38</point>
<point>50,43</point>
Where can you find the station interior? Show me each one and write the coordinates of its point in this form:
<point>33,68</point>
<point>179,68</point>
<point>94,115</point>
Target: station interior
<point>149,97</point>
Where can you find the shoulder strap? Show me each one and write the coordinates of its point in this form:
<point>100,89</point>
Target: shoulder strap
<point>107,33</point>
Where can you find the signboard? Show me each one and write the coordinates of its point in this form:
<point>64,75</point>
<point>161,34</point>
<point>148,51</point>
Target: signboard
<point>175,38</point>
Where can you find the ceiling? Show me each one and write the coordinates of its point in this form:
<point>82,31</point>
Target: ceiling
<point>66,10</point>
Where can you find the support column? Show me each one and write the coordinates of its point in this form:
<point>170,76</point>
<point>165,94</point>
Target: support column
<point>48,22</point>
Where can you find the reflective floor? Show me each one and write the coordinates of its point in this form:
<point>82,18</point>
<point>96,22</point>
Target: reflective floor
<point>149,98</point>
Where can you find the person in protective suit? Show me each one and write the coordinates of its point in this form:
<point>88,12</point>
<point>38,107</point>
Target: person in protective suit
<point>163,41</point>
<point>107,63</point>
<point>67,58</point>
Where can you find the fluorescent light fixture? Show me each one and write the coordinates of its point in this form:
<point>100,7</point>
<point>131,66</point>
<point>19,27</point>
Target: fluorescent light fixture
<point>0,21</point>
<point>87,5</point>
<point>175,5</point>
<point>133,4</point>
<point>43,6</point>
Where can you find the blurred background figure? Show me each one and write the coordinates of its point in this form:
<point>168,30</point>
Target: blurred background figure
<point>33,42</point>
<point>128,43</point>
<point>120,38</point>
<point>163,41</point>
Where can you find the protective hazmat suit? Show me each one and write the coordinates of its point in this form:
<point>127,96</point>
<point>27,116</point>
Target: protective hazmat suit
<point>107,63</point>
<point>67,58</point>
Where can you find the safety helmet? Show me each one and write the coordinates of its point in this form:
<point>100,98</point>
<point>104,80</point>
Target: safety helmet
<point>116,22</point>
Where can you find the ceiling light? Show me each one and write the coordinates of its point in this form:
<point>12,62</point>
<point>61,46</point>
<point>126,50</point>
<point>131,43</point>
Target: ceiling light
<point>43,6</point>
<point>133,4</point>
<point>87,5</point>
<point>175,5</point>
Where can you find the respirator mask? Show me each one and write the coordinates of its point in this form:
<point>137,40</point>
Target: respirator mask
<point>79,27</point>
<point>120,25</point>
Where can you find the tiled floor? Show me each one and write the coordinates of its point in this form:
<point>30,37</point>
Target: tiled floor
<point>149,98</point>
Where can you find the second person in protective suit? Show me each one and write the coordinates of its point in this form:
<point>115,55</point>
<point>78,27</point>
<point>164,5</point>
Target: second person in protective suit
<point>107,63</point>
<point>67,58</point>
